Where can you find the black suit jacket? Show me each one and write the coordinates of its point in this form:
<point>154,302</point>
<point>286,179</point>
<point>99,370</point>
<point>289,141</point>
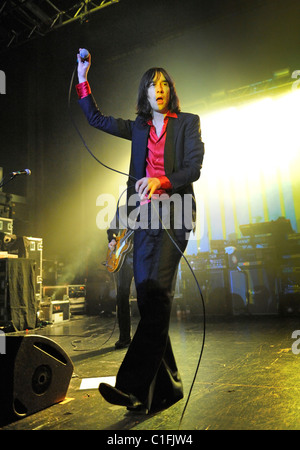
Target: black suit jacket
<point>184,149</point>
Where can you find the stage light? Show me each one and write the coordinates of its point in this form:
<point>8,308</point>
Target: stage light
<point>283,73</point>
<point>251,163</point>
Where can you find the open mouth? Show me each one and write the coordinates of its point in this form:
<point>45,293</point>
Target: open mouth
<point>159,99</point>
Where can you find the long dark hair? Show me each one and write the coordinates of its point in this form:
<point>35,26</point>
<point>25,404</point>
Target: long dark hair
<point>143,106</point>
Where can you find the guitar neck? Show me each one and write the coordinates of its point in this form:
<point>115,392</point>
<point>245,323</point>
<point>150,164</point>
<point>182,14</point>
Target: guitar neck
<point>126,236</point>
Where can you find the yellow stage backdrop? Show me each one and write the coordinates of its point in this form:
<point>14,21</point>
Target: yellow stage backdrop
<point>251,170</point>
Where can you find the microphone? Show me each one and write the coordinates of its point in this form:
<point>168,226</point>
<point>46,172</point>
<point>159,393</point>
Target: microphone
<point>84,54</point>
<point>21,172</point>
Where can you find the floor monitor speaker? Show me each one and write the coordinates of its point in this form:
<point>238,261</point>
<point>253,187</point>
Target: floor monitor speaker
<point>35,373</point>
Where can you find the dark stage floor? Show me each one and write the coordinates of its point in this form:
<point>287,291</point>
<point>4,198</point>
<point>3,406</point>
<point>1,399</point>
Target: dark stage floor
<point>248,378</point>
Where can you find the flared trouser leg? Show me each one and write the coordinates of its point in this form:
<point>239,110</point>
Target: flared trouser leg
<point>149,369</point>
<point>124,279</point>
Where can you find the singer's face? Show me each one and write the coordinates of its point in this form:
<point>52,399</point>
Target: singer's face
<point>159,94</point>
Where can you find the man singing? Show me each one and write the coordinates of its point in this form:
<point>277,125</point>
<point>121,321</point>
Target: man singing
<point>166,158</point>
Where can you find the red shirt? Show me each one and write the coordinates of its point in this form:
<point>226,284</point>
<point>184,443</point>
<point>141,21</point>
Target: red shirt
<point>155,159</point>
<point>156,146</point>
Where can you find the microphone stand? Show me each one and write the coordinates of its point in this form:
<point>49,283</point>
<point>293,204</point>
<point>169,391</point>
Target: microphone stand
<point>3,182</point>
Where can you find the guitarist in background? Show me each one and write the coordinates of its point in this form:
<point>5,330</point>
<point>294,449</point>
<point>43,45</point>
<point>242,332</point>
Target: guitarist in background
<point>123,279</point>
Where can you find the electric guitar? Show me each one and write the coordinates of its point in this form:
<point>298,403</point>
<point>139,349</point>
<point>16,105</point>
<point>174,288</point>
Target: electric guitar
<point>116,257</point>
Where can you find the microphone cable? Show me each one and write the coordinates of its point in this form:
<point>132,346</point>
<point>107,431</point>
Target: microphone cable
<point>81,137</point>
<point>165,229</point>
<point>204,316</point>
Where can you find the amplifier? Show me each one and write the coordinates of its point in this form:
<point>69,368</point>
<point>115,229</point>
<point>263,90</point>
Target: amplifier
<point>239,292</point>
<point>197,262</point>
<point>205,261</point>
<point>289,296</point>
<point>262,241</point>
<point>216,261</point>
<point>6,225</point>
<point>290,247</point>
<point>290,270</point>
<point>215,291</point>
<point>291,259</point>
<point>34,250</point>
<point>253,291</point>
<point>289,279</point>
<point>76,294</point>
<point>247,258</point>
<point>294,237</point>
<point>248,264</point>
<point>55,311</point>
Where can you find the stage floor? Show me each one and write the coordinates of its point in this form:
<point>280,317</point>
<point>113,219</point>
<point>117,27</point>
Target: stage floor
<point>248,378</point>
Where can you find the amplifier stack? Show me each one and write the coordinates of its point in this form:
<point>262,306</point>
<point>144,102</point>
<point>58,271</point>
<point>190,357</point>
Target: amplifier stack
<point>20,276</point>
<point>256,274</point>
<point>289,288</point>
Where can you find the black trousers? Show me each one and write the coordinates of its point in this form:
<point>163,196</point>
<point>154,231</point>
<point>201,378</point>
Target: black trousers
<point>123,279</point>
<point>149,369</point>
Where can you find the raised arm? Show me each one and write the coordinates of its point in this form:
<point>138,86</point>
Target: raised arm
<point>117,127</point>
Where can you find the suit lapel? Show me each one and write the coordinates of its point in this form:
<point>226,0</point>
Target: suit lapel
<point>140,150</point>
<point>170,145</point>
